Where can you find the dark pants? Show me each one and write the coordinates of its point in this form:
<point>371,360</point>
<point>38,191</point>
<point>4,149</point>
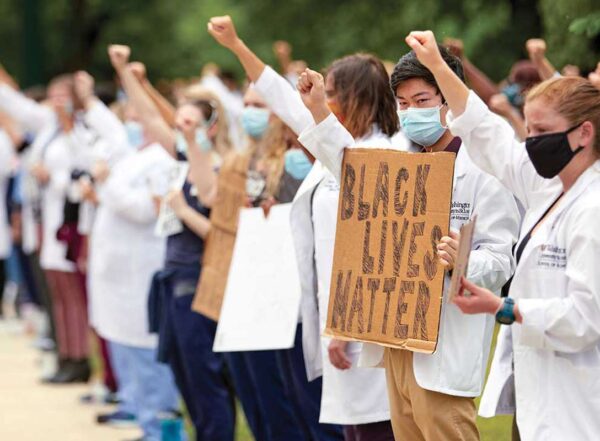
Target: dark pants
<point>2,283</point>
<point>305,395</point>
<point>199,372</point>
<point>381,431</point>
<point>260,388</point>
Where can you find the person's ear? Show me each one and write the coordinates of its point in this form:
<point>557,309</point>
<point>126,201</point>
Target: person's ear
<point>587,134</point>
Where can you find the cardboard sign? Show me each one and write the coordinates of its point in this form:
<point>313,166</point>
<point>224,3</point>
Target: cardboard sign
<point>262,298</point>
<point>387,284</point>
<point>168,223</point>
<point>231,196</point>
<point>461,264</point>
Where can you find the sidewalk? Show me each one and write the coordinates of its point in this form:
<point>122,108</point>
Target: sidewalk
<point>30,411</point>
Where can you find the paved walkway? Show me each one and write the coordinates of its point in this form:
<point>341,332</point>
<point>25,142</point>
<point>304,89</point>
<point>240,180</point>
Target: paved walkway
<point>30,411</point>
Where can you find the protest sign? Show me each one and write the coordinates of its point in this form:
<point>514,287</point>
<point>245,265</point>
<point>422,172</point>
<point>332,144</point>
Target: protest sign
<point>231,196</point>
<point>387,283</point>
<point>168,223</point>
<point>262,297</point>
<point>462,257</point>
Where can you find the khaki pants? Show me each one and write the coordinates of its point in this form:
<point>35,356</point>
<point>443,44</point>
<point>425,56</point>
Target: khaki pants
<point>422,415</point>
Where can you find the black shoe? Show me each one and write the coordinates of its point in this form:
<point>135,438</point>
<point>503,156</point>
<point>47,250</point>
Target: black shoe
<point>74,371</point>
<point>63,366</point>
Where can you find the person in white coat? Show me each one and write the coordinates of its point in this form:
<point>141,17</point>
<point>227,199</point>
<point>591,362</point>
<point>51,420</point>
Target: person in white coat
<point>124,255</point>
<point>59,139</point>
<point>351,396</point>
<point>548,361</point>
<point>431,396</point>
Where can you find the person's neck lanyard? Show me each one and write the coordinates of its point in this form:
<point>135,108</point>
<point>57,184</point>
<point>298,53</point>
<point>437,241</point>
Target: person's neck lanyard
<point>524,243</point>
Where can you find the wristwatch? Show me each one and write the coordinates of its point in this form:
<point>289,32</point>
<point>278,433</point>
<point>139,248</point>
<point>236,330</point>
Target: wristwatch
<point>506,313</point>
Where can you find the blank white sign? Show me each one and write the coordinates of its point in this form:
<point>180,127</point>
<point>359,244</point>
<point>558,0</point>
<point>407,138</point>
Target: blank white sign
<point>262,299</point>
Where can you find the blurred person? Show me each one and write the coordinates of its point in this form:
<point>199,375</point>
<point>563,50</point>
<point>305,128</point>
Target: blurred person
<point>124,254</point>
<point>199,134</point>
<point>547,358</point>
<point>59,139</point>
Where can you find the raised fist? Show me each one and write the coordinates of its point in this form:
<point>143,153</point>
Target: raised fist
<point>499,104</point>
<point>455,46</point>
<point>282,49</point>
<point>425,47</point>
<point>536,48</point>
<point>119,55</point>
<point>138,70</point>
<point>223,30</point>
<point>311,86</point>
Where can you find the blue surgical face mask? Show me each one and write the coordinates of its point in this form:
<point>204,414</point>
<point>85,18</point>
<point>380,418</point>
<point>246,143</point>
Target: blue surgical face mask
<point>255,121</point>
<point>202,141</point>
<point>297,163</point>
<point>422,126</point>
<point>135,134</point>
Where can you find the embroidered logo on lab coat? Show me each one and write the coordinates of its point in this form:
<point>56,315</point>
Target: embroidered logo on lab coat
<point>551,256</point>
<point>461,211</point>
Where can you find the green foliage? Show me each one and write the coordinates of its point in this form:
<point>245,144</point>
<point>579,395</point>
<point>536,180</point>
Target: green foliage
<point>171,38</point>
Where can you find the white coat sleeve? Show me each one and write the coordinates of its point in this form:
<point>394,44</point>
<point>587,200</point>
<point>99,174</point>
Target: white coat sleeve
<point>570,323</point>
<point>491,144</point>
<point>491,262</point>
<point>327,141</point>
<point>104,122</point>
<point>7,153</point>
<point>283,100</point>
<point>132,203</point>
<point>30,115</point>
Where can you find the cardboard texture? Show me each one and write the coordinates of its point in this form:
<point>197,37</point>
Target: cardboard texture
<point>461,265</point>
<point>231,196</point>
<point>387,283</point>
<point>262,297</point>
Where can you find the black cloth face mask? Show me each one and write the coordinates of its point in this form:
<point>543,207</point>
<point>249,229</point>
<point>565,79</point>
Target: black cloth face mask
<point>551,153</point>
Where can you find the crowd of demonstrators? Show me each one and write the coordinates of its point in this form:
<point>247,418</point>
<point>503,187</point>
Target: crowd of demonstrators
<point>86,183</point>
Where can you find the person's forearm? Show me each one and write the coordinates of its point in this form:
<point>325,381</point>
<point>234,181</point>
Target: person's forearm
<point>545,68</point>
<point>202,175</point>
<point>149,114</point>
<point>479,82</point>
<point>253,65</point>
<point>166,109</point>
<point>7,79</point>
<point>195,221</point>
<point>453,89</point>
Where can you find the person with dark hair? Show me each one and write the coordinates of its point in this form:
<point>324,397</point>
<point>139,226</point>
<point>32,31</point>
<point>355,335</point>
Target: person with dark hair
<point>431,396</point>
<point>358,94</point>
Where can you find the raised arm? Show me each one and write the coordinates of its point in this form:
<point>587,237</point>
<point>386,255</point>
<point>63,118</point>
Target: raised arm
<point>489,139</point>
<point>536,48</point>
<point>149,115</point>
<point>277,92</point>
<point>499,104</point>
<point>166,109</point>
<point>31,116</point>
<point>202,172</point>
<point>97,115</point>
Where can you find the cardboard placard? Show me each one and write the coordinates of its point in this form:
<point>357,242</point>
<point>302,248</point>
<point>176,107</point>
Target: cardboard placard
<point>262,297</point>
<point>386,283</point>
<point>461,265</point>
<point>231,196</point>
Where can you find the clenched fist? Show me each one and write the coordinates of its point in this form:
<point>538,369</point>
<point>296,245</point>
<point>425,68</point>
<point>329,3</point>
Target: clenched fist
<point>119,55</point>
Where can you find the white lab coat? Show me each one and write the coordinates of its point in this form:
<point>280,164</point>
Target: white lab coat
<point>7,154</point>
<point>354,396</point>
<point>124,251</point>
<point>556,350</point>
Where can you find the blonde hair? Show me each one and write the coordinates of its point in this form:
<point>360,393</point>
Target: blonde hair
<point>574,98</point>
<point>222,141</point>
